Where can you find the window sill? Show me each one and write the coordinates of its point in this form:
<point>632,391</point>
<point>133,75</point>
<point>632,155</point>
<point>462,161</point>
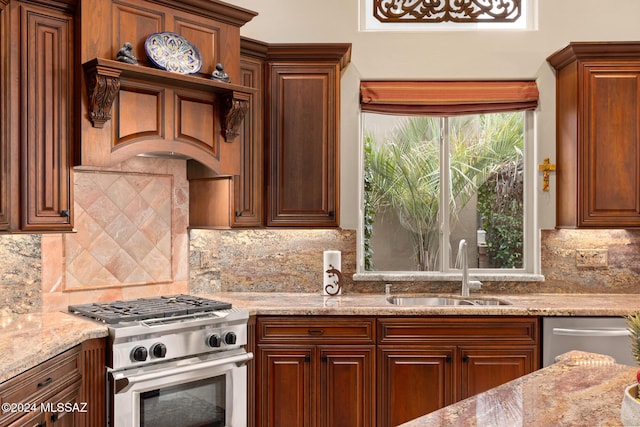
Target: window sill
<point>419,276</point>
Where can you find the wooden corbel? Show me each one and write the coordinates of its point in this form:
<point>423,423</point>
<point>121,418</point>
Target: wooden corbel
<point>103,84</point>
<point>235,107</point>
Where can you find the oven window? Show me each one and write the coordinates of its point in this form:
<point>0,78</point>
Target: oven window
<point>195,404</point>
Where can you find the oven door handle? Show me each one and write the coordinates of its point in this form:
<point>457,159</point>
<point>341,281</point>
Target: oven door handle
<point>612,332</point>
<point>127,381</point>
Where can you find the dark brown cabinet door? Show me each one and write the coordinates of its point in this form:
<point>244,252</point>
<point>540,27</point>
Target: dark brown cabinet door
<point>346,386</point>
<point>302,184</point>
<point>598,136</point>
<point>42,114</point>
<point>485,368</point>
<point>413,382</point>
<point>611,177</point>
<point>284,387</point>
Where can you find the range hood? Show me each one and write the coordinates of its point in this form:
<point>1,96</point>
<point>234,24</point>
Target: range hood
<point>131,110</point>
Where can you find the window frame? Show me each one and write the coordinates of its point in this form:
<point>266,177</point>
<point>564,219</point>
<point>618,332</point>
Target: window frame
<point>531,270</point>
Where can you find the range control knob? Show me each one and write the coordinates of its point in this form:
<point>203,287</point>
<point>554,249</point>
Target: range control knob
<point>159,350</point>
<point>230,338</point>
<point>214,340</point>
<point>139,354</point>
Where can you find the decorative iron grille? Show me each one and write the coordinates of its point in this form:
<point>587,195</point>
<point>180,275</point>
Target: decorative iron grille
<point>434,11</point>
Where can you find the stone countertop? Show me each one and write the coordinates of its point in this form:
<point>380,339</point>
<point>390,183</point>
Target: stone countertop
<point>580,389</point>
<point>27,340</point>
<point>376,305</point>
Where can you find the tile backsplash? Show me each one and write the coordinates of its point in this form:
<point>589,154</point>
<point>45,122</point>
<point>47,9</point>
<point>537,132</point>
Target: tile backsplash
<point>131,236</point>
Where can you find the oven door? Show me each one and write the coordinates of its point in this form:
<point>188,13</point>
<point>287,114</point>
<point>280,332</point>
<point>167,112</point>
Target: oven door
<point>199,391</point>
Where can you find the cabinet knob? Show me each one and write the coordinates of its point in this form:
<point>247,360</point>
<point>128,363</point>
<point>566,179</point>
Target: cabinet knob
<point>448,359</point>
<point>65,213</point>
<point>465,359</point>
<point>307,358</point>
<point>238,213</point>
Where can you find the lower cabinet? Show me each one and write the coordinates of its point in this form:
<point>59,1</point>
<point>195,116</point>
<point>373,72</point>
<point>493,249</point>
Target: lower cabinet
<point>315,372</point>
<point>64,391</point>
<point>357,371</point>
<point>427,363</point>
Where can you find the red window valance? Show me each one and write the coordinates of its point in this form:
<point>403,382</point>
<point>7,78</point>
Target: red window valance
<point>447,98</point>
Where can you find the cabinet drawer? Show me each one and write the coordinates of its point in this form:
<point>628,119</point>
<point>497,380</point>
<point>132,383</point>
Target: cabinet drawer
<point>313,329</point>
<point>515,330</point>
<point>40,382</point>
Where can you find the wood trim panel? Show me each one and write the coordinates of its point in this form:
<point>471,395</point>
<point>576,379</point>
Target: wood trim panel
<point>5,177</point>
<point>249,185</point>
<point>93,389</point>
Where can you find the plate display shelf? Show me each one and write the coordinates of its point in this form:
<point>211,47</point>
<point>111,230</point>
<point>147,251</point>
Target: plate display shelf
<point>103,84</point>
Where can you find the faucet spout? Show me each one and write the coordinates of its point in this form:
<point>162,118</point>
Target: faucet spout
<point>463,258</point>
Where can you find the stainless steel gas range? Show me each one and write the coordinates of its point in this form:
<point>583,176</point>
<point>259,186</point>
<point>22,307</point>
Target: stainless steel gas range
<point>174,361</point>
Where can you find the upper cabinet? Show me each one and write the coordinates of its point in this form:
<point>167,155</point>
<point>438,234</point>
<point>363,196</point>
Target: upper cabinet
<point>303,128</point>
<point>598,134</point>
<point>37,117</point>
<point>289,140</point>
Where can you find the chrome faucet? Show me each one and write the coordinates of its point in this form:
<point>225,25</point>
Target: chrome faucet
<point>463,260</point>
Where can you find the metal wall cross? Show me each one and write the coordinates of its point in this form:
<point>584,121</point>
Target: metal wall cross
<point>546,167</point>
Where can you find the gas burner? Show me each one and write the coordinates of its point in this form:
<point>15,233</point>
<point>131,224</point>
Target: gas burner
<point>148,308</point>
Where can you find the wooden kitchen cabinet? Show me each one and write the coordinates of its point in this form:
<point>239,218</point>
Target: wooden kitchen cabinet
<point>303,128</point>
<point>427,363</point>
<point>224,201</point>
<point>67,390</point>
<point>40,115</point>
<point>598,134</point>
<point>315,371</point>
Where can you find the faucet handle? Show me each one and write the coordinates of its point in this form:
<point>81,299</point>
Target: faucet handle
<point>387,289</point>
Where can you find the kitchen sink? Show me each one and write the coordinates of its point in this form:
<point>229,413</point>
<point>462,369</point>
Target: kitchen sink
<point>438,301</point>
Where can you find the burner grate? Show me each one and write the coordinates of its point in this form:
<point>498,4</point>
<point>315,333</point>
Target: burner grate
<point>148,308</point>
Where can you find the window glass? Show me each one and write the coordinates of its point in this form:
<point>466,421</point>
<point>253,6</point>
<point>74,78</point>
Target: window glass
<point>431,181</point>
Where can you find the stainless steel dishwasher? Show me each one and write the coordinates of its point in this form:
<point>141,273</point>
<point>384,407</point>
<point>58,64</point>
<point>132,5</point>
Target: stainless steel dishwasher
<point>604,335</point>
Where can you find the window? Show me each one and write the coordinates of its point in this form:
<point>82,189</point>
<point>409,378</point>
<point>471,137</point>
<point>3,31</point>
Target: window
<point>443,162</point>
<point>418,15</point>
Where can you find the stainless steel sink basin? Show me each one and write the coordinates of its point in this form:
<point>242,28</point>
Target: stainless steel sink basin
<point>437,301</point>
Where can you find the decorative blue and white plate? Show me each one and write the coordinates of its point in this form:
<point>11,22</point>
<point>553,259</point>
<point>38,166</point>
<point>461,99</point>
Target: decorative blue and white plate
<point>172,52</point>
